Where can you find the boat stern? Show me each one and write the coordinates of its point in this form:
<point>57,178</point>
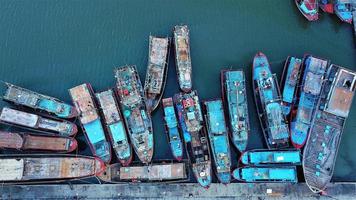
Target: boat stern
<point>99,166</point>
<point>236,174</point>
<point>73,145</point>
<point>224,177</point>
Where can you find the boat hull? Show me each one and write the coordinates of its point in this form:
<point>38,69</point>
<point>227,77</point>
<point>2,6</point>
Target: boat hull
<point>287,174</point>
<point>310,13</point>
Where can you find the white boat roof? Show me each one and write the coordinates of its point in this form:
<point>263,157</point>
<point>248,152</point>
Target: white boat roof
<point>11,169</point>
<point>18,117</point>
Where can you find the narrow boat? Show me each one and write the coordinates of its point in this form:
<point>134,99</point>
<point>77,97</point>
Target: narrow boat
<point>343,9</point>
<point>322,146</point>
<point>40,168</point>
<point>29,142</point>
<point>218,137</point>
<point>233,85</point>
<point>82,96</point>
<point>287,174</point>
<point>160,171</point>
<point>157,70</point>
<point>182,57</point>
<point>309,93</point>
<point>271,157</point>
<point>24,97</point>
<point>137,118</point>
<point>309,8</point>
<point>44,125</point>
<point>289,83</point>
<point>269,104</point>
<point>326,6</point>
<point>196,142</point>
<point>172,129</point>
<point>115,126</point>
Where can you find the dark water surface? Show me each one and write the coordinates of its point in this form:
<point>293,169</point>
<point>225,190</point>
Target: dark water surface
<point>50,46</point>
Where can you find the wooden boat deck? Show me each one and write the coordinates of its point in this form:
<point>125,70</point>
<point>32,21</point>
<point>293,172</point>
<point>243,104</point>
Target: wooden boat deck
<point>83,101</point>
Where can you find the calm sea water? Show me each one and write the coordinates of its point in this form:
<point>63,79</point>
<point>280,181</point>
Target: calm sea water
<point>50,46</point>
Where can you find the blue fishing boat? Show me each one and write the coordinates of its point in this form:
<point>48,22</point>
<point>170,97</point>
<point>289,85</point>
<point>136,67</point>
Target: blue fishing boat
<point>233,86</point>
<point>263,157</point>
<point>266,174</point>
<point>325,133</point>
<point>269,104</point>
<point>196,142</point>
<point>309,8</point>
<point>309,93</point>
<point>218,137</point>
<point>289,83</point>
<point>115,126</point>
<point>343,9</point>
<point>172,130</point>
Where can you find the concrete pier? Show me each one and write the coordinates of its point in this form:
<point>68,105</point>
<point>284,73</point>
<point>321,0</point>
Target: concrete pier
<point>176,191</point>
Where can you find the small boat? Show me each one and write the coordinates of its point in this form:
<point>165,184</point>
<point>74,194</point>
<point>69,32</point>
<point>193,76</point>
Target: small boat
<point>286,174</point>
<point>326,6</point>
<point>133,106</point>
<point>157,70</point>
<point>196,142</point>
<point>233,85</point>
<point>309,93</point>
<point>271,157</point>
<point>289,83</point>
<point>172,129</point>
<point>115,126</point>
<point>269,104</point>
<point>82,96</point>
<point>218,137</point>
<point>160,171</point>
<point>44,125</point>
<point>343,9</point>
<point>325,133</point>
<point>44,168</point>
<point>183,59</point>
<point>29,142</point>
<point>309,8</point>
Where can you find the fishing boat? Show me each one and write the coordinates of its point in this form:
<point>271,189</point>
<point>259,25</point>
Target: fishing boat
<point>40,168</point>
<point>343,9</point>
<point>137,118</point>
<point>287,174</point>
<point>172,129</point>
<point>29,142</point>
<point>182,57</point>
<point>289,83</point>
<point>82,96</point>
<point>159,171</point>
<point>269,104</point>
<point>115,126</point>
<point>326,6</point>
<point>271,157</point>
<point>24,97</point>
<point>309,8</point>
<point>157,70</point>
<point>196,142</point>
<point>233,85</point>
<point>322,146</point>
<point>218,137</point>
<point>44,125</point>
<point>309,93</point>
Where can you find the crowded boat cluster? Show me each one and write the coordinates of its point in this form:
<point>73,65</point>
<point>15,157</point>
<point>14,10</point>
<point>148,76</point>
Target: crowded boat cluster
<point>306,110</point>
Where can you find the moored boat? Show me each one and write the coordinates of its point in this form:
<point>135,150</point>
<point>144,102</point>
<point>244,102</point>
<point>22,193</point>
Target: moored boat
<point>271,157</point>
<point>325,133</point>
<point>343,9</point>
<point>196,142</point>
<point>218,138</point>
<point>157,70</point>
<point>326,6</point>
<point>266,174</point>
<point>172,129</point>
<point>268,103</point>
<point>309,94</point>
<point>39,168</point>
<point>309,8</point>
<point>82,96</point>
<point>137,118</point>
<point>28,142</point>
<point>115,126</point>
<point>182,57</point>
<point>233,85</point>
<point>24,97</point>
<point>45,125</point>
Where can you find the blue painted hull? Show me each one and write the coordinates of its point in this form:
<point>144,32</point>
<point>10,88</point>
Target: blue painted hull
<point>271,157</point>
<point>266,174</point>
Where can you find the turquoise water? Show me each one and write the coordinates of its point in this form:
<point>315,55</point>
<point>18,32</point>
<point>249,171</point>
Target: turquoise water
<point>50,46</point>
